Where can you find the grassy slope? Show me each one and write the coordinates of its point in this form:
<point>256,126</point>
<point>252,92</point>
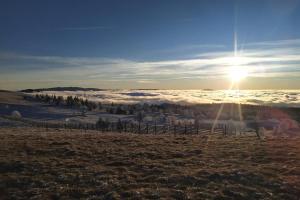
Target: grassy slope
<point>49,164</point>
<point>8,97</point>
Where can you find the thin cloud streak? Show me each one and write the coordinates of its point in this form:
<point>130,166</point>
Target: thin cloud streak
<point>191,47</point>
<point>274,43</point>
<point>86,28</point>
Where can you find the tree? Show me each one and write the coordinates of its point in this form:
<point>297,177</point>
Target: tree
<point>102,123</point>
<point>70,101</point>
<point>111,111</point>
<point>86,103</point>
<point>120,111</point>
<point>59,100</point>
<point>54,99</point>
<point>47,98</point>
<point>99,106</point>
<point>83,110</point>
<point>140,116</point>
<point>119,125</point>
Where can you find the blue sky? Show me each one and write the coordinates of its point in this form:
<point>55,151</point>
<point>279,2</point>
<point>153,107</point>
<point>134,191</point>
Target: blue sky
<point>148,44</point>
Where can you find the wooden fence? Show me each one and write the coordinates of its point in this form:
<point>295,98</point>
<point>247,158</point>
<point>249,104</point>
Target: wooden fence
<point>139,128</point>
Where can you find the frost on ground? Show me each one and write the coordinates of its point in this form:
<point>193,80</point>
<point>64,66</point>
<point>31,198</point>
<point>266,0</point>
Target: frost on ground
<point>68,164</point>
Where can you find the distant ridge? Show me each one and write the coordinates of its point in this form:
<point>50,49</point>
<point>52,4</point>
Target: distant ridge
<point>145,89</point>
<point>61,89</point>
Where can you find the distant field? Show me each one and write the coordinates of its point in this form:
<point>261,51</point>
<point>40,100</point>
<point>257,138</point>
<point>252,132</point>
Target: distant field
<point>53,164</point>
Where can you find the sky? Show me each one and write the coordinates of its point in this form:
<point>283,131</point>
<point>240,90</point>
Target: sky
<point>170,44</point>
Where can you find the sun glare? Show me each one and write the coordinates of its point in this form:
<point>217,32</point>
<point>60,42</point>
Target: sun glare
<point>235,60</point>
<point>237,73</point>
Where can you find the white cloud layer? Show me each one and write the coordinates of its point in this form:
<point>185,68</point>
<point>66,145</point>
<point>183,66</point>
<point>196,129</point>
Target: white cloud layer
<point>289,98</point>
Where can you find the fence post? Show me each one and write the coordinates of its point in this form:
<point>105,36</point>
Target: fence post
<point>139,131</point>
<point>147,127</point>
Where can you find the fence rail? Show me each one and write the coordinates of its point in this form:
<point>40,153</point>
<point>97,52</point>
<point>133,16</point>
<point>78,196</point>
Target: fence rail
<point>138,128</point>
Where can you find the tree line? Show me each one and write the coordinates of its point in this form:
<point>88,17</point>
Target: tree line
<point>69,101</point>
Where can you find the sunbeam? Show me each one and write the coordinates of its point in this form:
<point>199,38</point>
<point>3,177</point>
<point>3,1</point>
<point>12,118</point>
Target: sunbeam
<point>220,111</point>
<point>236,73</point>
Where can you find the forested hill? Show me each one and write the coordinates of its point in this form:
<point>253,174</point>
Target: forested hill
<point>60,89</point>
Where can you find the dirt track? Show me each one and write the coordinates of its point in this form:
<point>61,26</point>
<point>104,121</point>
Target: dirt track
<point>54,164</point>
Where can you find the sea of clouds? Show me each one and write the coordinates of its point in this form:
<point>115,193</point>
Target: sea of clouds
<point>286,98</point>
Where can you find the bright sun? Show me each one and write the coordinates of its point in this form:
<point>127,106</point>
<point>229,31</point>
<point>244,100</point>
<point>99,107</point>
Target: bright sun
<point>237,71</point>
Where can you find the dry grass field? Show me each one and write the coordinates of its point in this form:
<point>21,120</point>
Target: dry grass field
<point>70,164</point>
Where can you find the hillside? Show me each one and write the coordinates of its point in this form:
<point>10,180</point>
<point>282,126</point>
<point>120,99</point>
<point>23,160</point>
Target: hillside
<point>68,164</point>
<point>9,97</point>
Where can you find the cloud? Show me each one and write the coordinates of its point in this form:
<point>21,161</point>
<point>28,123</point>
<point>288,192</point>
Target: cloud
<point>146,81</point>
<point>86,28</point>
<point>260,97</point>
<point>191,47</point>
<point>263,59</point>
<point>280,43</point>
